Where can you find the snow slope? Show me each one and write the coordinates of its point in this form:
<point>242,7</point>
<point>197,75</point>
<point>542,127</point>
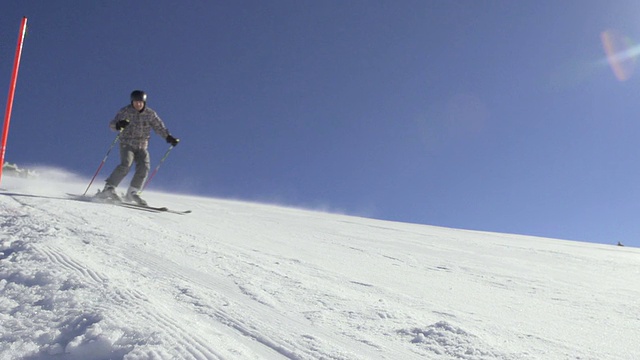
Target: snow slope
<point>238,280</point>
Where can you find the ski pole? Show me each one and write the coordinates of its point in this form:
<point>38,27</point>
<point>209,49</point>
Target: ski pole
<point>103,161</point>
<point>156,169</point>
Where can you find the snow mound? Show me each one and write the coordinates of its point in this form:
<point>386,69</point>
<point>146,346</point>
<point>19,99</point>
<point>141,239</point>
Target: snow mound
<point>13,170</point>
<point>444,339</point>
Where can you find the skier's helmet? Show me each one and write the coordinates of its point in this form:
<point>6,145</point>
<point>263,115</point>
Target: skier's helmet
<point>138,95</point>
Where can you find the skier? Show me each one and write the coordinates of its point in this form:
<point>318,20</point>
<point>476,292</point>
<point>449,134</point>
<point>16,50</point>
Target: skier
<point>134,122</point>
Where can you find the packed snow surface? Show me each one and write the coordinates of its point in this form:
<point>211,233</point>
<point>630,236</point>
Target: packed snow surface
<point>234,280</point>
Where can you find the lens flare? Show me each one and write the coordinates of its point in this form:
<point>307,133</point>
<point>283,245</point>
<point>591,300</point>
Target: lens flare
<point>621,53</point>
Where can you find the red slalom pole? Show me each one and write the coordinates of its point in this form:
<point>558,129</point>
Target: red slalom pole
<point>12,90</point>
<point>103,161</point>
<point>156,169</point>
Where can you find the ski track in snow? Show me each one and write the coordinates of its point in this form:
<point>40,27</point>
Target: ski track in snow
<point>80,337</point>
<point>94,281</point>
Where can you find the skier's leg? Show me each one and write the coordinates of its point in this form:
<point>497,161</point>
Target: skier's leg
<point>142,168</point>
<point>141,157</point>
<point>126,159</point>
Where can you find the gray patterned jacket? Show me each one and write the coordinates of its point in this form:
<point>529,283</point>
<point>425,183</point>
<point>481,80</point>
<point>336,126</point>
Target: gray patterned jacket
<point>138,132</point>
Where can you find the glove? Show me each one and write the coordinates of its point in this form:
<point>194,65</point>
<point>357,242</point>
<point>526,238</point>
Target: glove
<point>121,124</point>
<point>173,141</point>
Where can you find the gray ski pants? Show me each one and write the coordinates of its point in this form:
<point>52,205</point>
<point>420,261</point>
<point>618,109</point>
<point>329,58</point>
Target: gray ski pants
<point>128,155</point>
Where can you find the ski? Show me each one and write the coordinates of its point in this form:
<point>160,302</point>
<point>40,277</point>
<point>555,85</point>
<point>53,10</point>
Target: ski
<point>153,208</point>
<point>136,207</point>
<point>179,212</point>
<point>127,205</point>
<point>88,198</point>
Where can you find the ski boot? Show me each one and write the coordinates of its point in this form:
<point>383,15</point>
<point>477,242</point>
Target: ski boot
<point>109,193</point>
<point>134,197</point>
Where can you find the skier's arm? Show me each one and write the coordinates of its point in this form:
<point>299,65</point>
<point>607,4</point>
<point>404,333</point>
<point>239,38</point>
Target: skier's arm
<point>158,126</point>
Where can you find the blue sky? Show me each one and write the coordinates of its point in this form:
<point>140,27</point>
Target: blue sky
<point>490,115</point>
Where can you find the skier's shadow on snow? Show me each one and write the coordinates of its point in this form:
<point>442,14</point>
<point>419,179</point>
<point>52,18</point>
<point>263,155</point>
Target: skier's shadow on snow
<point>15,195</point>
